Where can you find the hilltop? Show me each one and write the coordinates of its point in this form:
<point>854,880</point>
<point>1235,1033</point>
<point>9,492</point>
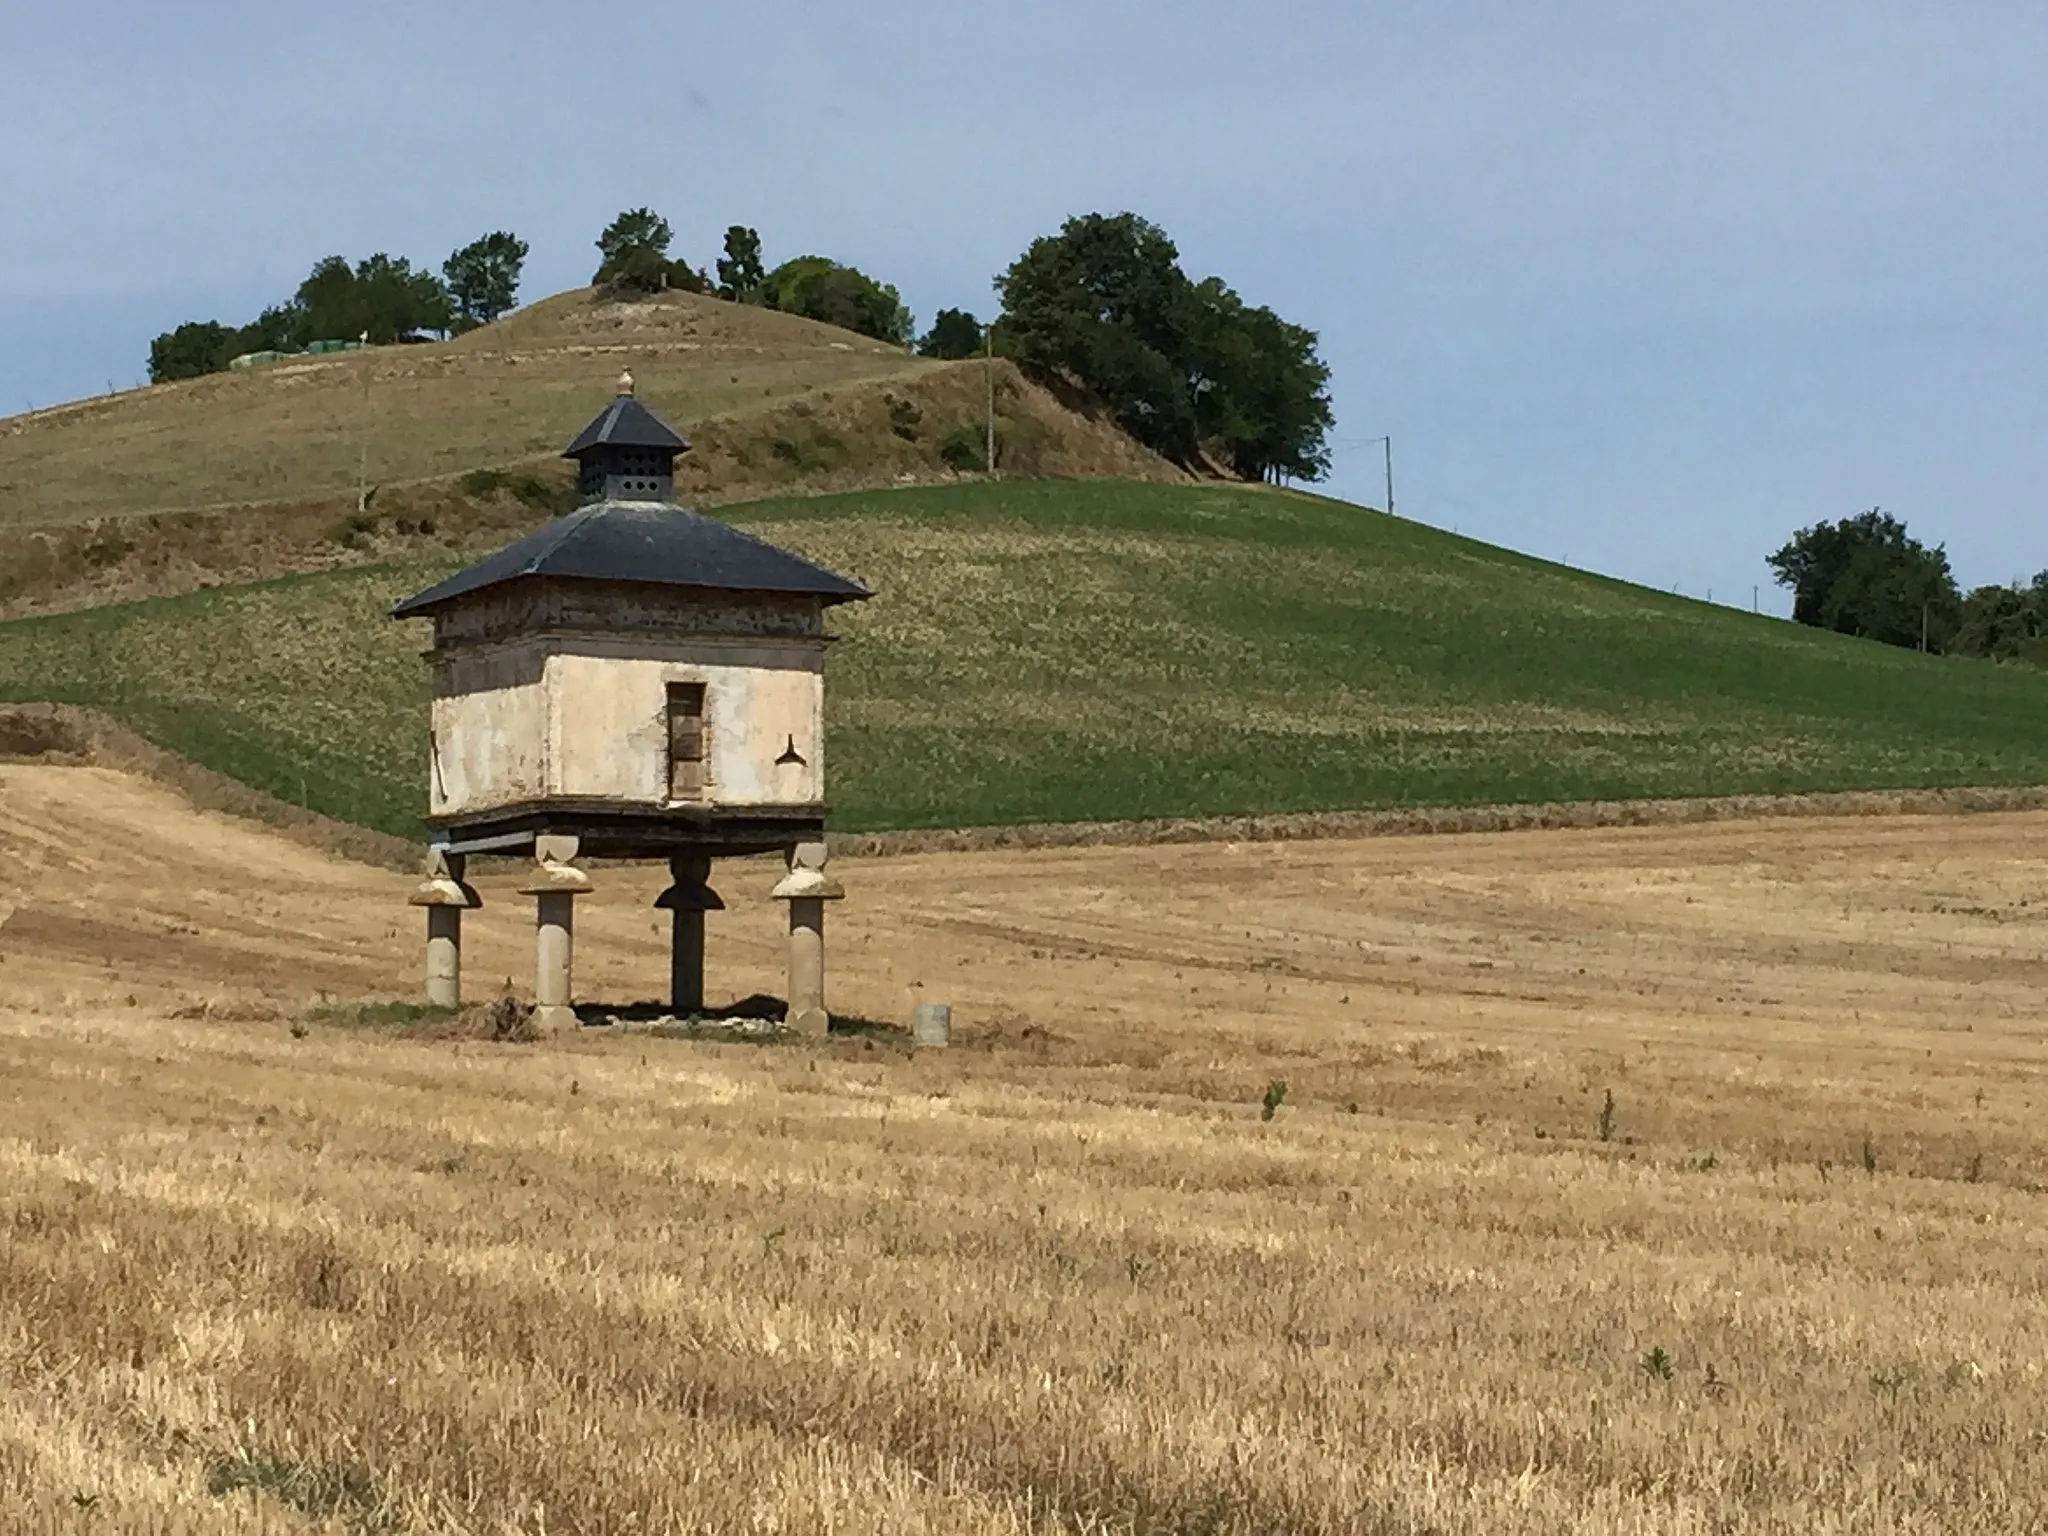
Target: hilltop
<point>1090,652</point>
<point>241,475</point>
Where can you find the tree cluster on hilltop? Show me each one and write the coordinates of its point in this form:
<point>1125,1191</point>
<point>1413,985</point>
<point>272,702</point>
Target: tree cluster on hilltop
<point>381,299</point>
<point>1867,576</point>
<point>1186,367</point>
<point>635,248</point>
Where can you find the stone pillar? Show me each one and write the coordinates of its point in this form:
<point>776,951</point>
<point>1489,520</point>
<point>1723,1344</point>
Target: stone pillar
<point>555,884</point>
<point>689,899</point>
<point>807,888</point>
<point>446,896</point>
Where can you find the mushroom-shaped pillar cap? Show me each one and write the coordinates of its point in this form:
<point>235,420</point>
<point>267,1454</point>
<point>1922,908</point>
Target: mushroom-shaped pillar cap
<point>556,879</point>
<point>690,898</point>
<point>802,884</point>
<point>442,891</point>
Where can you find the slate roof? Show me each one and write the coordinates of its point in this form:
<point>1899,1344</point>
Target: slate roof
<point>625,423</point>
<point>635,541</point>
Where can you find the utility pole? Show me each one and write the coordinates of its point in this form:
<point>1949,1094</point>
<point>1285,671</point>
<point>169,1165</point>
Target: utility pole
<point>363,457</point>
<point>989,367</point>
<point>1387,443</point>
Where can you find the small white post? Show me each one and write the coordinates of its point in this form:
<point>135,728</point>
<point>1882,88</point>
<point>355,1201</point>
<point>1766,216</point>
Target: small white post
<point>931,1024</point>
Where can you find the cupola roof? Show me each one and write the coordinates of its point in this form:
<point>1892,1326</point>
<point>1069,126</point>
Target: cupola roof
<point>625,423</point>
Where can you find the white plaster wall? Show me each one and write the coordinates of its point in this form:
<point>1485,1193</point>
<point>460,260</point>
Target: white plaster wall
<point>608,719</point>
<point>488,747</point>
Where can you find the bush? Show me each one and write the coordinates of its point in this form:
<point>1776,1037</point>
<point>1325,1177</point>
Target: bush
<point>815,448</point>
<point>108,549</point>
<point>530,490</point>
<point>353,531</point>
<point>551,497</point>
<point>965,448</point>
<point>904,419</point>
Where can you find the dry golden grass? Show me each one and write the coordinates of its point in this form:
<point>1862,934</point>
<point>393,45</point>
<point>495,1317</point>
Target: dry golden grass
<point>157,493</point>
<point>505,394</point>
<point>1062,1277</point>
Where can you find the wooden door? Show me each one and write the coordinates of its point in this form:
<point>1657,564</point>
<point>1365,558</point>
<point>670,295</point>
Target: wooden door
<point>686,754</point>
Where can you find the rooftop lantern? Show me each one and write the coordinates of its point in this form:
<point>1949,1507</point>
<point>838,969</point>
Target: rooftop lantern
<point>633,681</point>
<point>627,454</point>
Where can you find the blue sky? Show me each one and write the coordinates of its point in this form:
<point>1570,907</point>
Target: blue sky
<point>1639,286</point>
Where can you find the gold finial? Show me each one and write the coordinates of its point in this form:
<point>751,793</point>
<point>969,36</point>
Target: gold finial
<point>626,382</point>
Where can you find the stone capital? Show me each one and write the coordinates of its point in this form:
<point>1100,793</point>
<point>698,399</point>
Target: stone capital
<point>802,884</point>
<point>556,880</point>
<point>445,891</point>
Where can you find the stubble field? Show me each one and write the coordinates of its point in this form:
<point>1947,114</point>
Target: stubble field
<point>264,1267</point>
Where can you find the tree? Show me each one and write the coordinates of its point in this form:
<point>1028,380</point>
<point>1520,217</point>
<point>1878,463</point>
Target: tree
<point>740,273</point>
<point>328,299</point>
<point>398,303</point>
<point>194,348</point>
<point>1998,622</point>
<point>636,260</point>
<point>955,333</point>
<point>1105,303</point>
<point>637,229</point>
<point>822,289</point>
<point>280,328</point>
<point>1867,576</point>
<point>2005,623</point>
<point>381,297</point>
<point>483,277</point>
<point>1261,391</point>
<point>1186,368</point>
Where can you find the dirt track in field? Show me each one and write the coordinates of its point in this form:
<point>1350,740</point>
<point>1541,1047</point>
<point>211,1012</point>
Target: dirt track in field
<point>1793,938</point>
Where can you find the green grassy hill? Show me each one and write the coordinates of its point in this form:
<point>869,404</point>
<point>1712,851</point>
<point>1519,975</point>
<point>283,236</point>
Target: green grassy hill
<point>1093,651</point>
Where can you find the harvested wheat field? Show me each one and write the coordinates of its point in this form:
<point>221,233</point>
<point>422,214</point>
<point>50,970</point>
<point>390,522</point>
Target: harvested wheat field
<point>267,1267</point>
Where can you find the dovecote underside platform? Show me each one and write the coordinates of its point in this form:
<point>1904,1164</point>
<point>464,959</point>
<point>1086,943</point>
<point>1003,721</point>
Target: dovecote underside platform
<point>616,832</point>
